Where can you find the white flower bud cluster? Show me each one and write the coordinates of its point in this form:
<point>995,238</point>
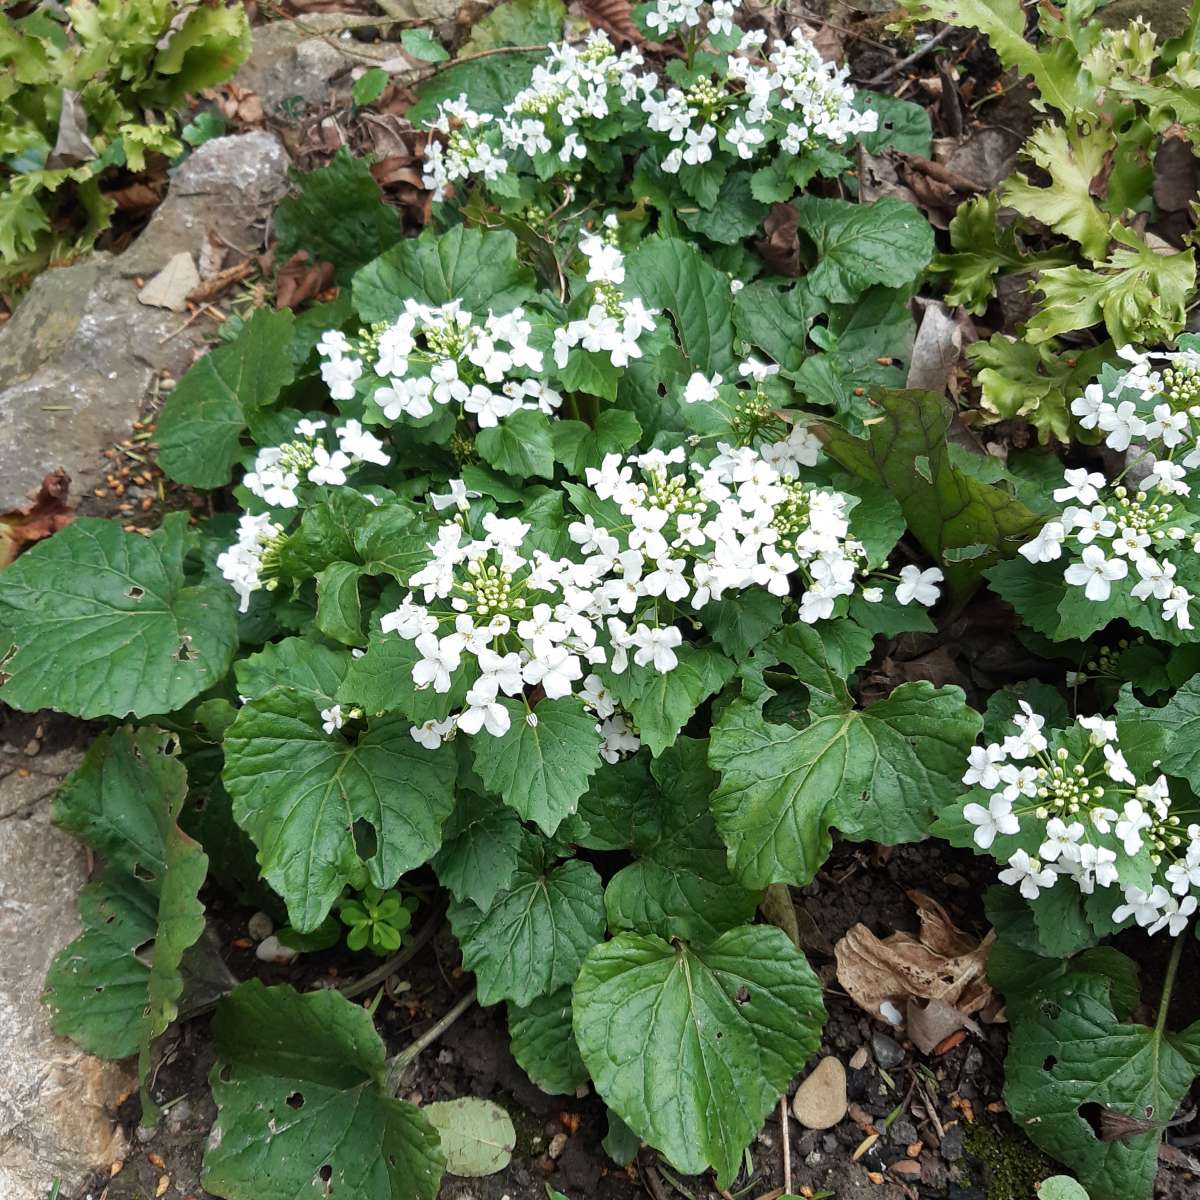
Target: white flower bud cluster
<point>1084,816</point>
<point>1111,529</point>
<point>244,564</point>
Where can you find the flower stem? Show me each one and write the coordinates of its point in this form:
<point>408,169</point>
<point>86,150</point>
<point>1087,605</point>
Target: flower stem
<point>399,1063</point>
<point>1169,984</point>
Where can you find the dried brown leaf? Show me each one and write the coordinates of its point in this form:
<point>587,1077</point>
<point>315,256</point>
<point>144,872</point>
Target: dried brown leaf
<point>780,248</point>
<point>615,17</point>
<point>46,513</point>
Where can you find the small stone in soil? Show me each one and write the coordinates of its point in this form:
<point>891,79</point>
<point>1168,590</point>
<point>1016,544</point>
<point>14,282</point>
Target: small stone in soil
<point>888,1053</point>
<point>903,1131</point>
<point>260,926</point>
<point>820,1101</point>
<point>558,1143</point>
<point>272,950</point>
<point>952,1144</point>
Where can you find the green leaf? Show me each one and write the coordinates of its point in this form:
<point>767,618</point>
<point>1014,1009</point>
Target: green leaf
<point>620,1143</point>
<point>1072,1046</point>
<point>982,247</point>
<point>105,990</point>
<point>302,1110</point>
<point>300,793</point>
<point>477,267</point>
<point>488,84</point>
<point>578,446</point>
<point>532,938</point>
<point>543,1043</point>
<point>903,125</point>
<point>672,275</point>
<point>735,214</point>
<point>477,1136</point>
<point>370,85</point>
<point>521,445</point>
<point>945,508</point>
<point>517,23</point>
<point>692,1046</point>
<point>296,663</point>
<point>1061,1187</point>
<point>479,849</point>
<point>777,319</point>
<point>662,703</point>
<point>541,768</point>
<point>610,809</point>
<point>679,885</point>
<point>858,245</point>
<point>880,774</point>
<point>200,427</point>
<point>99,622</point>
<point>338,213</point>
<point>740,623</point>
<point>1179,721</point>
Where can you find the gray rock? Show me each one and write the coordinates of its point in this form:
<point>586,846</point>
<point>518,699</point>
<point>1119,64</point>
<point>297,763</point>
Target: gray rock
<point>78,356</point>
<point>887,1051</point>
<point>56,1103</point>
<point>952,1144</point>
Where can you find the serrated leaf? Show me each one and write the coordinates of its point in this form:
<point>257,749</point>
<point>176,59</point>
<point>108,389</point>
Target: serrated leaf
<point>612,806</point>
<point>541,769</point>
<point>100,622</point>
<point>372,83</point>
<point>880,774</point>
<point>521,445</point>
<point>741,622</point>
<point>533,937</point>
<point>517,23</point>
<point>299,792</point>
<point>946,508</point>
<point>903,125</point>
<point>578,445</point>
<point>1178,720</point>
<point>301,1106</point>
<point>735,213</point>
<point>1070,1047</point>
<point>858,245</point>
<point>479,849</point>
<point>777,319</point>
<point>477,267</point>
<point>488,84</point>
<point>672,275</point>
<point>543,1043</point>
<point>663,702</point>
<point>477,1136</point>
<point>679,885</point>
<point>295,663</point>
<point>200,427</point>
<point>338,213</point>
<point>692,1046</point>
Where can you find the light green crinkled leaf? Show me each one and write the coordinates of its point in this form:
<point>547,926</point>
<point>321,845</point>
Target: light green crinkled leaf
<point>541,768</point>
<point>532,938</point>
<point>858,245</point>
<point>422,45</point>
<point>479,268</point>
<point>517,23</point>
<point>1070,1047</point>
<point>203,49</point>
<point>479,849</point>
<point>1061,1187</point>
<point>879,774</point>
<point>679,886</point>
<point>200,427</point>
<point>299,793</point>
<point>124,801</point>
<point>692,1045</point>
<point>521,445</point>
<point>302,1110</point>
<point>337,212</point>
<point>944,507</point>
<point>543,1043</point>
<point>1072,157</point>
<point>672,275</point>
<point>477,1136</point>
<point>982,247</point>
<point>99,622</point>
<point>662,703</point>
<point>1140,295</point>
<point>1054,65</point>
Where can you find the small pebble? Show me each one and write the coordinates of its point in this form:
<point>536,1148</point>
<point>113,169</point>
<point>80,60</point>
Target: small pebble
<point>829,1143</point>
<point>903,1131</point>
<point>272,950</point>
<point>859,1059</point>
<point>952,1144</point>
<point>558,1143</point>
<point>33,747</point>
<point>445,1057</point>
<point>820,1100</point>
<point>887,1051</point>
<point>260,926</point>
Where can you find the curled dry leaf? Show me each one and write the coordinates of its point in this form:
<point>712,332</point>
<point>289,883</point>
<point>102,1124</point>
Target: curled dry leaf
<point>780,248</point>
<point>943,964</point>
<point>615,17</point>
<point>46,513</point>
<point>300,280</point>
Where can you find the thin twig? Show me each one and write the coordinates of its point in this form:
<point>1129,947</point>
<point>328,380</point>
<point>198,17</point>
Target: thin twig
<point>386,969</point>
<point>399,1063</point>
<point>787,1145</point>
<point>915,56</point>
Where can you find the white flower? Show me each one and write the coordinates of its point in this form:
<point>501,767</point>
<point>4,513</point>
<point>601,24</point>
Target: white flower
<point>484,714</point>
<point>1081,486</point>
<point>919,585</point>
<point>997,818</point>
<point>701,389</point>
<point>657,647</point>
<point>361,446</point>
<point>1115,766</point>
<point>328,468</point>
<point>332,719</point>
<point>431,733</point>
<point>1061,840</point>
<point>1122,424</point>
<point>439,660</point>
<point>1047,546</point>
<point>1131,824</point>
<point>981,766</point>
<point>1088,407</point>
<point>1028,873</point>
<point>1095,574</point>
<point>1175,916</point>
<point>459,496</point>
<point>555,671</point>
<point>1142,906</point>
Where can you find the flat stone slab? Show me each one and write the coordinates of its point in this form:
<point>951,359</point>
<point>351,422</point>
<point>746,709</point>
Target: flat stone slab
<point>79,355</point>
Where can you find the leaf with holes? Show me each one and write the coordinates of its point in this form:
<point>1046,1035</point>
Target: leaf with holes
<point>302,1110</point>
<point>100,622</point>
<point>693,1045</point>
<point>533,936</point>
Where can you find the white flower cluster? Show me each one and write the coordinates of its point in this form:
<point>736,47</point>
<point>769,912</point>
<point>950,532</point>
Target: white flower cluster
<point>243,564</point>
<point>1110,530</point>
<point>613,324</point>
<point>1078,805</point>
<point>440,355</point>
<point>669,17</point>
<point>280,470</point>
<point>792,94</point>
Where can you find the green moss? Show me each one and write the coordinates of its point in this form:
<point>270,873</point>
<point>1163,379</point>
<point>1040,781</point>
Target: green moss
<point>1012,1165</point>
